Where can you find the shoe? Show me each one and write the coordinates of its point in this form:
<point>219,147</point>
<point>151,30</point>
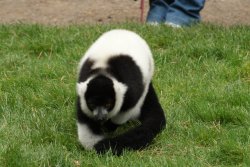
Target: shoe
<point>173,25</point>
<point>153,23</point>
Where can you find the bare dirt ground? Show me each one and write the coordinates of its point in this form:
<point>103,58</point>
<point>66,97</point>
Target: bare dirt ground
<point>65,12</point>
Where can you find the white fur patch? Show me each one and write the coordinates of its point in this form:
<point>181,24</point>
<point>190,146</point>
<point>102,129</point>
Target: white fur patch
<point>116,42</point>
<point>86,137</point>
<point>120,90</point>
<point>81,89</point>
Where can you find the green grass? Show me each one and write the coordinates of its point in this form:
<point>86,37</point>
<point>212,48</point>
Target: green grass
<point>202,78</point>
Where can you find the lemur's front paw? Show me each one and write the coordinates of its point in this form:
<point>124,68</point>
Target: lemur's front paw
<point>106,145</point>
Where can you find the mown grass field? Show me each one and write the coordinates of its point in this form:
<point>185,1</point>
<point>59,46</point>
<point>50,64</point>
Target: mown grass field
<point>202,78</point>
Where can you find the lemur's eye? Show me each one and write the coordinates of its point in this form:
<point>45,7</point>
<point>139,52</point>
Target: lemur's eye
<point>108,105</point>
<point>91,105</point>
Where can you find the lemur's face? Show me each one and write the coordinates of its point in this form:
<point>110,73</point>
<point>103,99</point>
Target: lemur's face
<point>100,97</point>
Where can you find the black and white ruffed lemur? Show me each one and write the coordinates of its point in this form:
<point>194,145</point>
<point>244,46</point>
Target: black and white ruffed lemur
<point>114,86</point>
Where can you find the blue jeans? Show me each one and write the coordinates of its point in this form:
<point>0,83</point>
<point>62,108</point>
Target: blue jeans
<point>179,12</point>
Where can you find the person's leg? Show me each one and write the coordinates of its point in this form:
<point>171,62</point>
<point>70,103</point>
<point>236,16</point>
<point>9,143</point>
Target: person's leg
<point>157,11</point>
<point>184,12</point>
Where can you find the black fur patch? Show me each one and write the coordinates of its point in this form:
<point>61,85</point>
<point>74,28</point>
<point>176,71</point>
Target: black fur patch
<point>100,92</point>
<point>125,70</point>
<point>86,71</point>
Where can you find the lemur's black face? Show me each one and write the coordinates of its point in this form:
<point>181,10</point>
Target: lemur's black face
<point>100,97</point>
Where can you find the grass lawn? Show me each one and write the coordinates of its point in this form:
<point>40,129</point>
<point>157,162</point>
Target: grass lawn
<point>202,78</point>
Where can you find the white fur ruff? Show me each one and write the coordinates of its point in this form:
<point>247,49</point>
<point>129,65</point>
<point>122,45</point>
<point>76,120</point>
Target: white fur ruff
<point>119,88</point>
